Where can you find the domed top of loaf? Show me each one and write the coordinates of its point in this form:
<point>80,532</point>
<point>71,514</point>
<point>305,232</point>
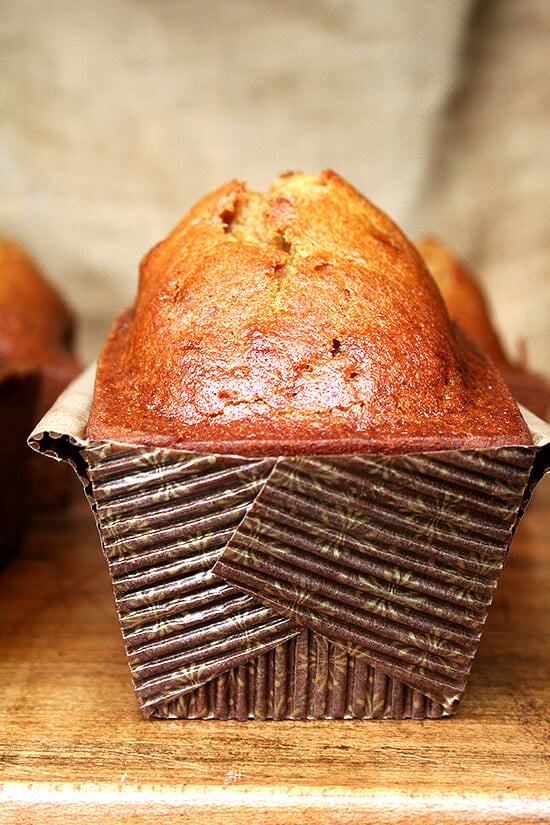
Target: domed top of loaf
<point>301,320</point>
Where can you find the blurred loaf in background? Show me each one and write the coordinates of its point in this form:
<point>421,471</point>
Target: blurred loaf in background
<point>37,362</point>
<point>468,306</point>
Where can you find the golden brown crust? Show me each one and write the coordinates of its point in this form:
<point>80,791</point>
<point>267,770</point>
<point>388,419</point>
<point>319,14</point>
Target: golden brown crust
<point>468,306</point>
<point>303,317</point>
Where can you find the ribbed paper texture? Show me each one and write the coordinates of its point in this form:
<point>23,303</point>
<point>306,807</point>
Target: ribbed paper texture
<point>164,519</point>
<point>305,678</point>
<point>394,558</point>
<point>218,563</point>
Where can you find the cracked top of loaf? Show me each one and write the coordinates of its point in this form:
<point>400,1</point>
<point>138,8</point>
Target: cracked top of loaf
<point>298,321</point>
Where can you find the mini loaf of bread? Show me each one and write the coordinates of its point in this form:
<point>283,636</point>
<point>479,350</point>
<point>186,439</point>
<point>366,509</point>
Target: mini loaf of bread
<point>468,306</point>
<point>36,347</point>
<point>298,321</point>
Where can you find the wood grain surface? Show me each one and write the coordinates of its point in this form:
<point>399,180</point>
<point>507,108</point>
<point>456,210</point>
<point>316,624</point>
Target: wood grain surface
<point>73,744</point>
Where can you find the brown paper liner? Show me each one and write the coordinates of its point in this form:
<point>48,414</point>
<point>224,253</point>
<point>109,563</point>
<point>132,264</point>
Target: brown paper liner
<point>349,586</point>
<point>51,483</point>
<point>217,560</point>
<point>164,519</point>
<point>393,558</point>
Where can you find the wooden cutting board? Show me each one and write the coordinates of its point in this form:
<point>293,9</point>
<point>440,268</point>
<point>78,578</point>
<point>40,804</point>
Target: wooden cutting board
<point>73,743</point>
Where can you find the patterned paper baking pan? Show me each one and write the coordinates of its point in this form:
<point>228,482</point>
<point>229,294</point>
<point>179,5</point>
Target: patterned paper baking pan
<point>303,587</point>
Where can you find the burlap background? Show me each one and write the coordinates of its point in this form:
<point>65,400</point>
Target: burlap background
<point>115,117</point>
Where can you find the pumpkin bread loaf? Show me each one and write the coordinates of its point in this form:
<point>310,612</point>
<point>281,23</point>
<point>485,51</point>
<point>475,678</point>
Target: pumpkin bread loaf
<point>299,321</point>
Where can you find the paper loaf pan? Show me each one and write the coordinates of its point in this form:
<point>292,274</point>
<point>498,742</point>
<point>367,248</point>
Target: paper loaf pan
<point>318,587</point>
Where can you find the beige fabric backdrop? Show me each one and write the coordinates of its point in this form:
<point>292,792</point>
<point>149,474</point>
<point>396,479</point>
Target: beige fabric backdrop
<point>115,117</point>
